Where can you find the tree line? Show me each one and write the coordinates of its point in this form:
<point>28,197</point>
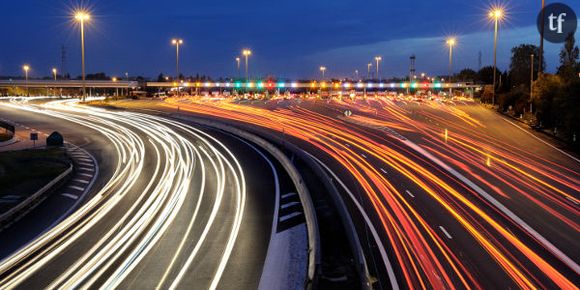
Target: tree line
<point>548,101</point>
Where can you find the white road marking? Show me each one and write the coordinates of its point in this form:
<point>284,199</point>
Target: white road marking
<point>81,181</point>
<point>287,205</point>
<point>288,194</point>
<point>363,156</point>
<point>87,169</point>
<point>409,193</point>
<point>86,174</point>
<point>384,171</point>
<point>289,216</point>
<point>445,232</point>
<point>501,207</point>
<point>77,188</point>
<point>70,196</point>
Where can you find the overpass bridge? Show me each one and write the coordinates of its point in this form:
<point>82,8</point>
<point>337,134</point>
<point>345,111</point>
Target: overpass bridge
<point>315,85</point>
<point>63,84</point>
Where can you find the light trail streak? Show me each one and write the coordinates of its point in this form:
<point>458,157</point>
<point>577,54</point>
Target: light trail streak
<point>145,202</point>
<point>425,259</point>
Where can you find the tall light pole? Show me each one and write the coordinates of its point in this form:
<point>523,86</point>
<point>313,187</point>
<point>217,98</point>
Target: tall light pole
<point>369,70</point>
<point>378,59</point>
<point>238,65</point>
<point>26,68</point>
<point>54,71</point>
<point>177,43</point>
<point>541,54</point>
<point>531,81</point>
<point>246,53</point>
<point>116,87</point>
<point>451,43</point>
<point>127,78</point>
<point>323,70</point>
<point>356,74</point>
<point>81,17</point>
<point>496,15</point>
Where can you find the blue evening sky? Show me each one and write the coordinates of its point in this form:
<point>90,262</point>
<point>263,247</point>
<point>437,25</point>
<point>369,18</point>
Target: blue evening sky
<point>288,38</point>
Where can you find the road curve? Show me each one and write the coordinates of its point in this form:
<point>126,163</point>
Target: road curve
<point>170,216</point>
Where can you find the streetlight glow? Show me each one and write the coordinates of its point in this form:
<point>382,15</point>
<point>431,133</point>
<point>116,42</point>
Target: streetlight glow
<point>323,70</point>
<point>496,14</point>
<point>81,17</point>
<point>26,68</point>
<point>378,59</point>
<point>246,53</point>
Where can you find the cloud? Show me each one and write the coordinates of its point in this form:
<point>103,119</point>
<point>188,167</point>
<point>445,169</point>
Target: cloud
<point>432,53</point>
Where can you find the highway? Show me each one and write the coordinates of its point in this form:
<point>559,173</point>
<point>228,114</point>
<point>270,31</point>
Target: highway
<point>454,195</point>
<point>175,207</point>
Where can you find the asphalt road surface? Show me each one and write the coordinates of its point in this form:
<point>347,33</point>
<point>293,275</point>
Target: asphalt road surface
<point>452,194</point>
<point>175,207</point>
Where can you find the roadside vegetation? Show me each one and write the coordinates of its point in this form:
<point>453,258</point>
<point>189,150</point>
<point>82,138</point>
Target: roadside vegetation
<point>547,102</point>
<point>22,173</point>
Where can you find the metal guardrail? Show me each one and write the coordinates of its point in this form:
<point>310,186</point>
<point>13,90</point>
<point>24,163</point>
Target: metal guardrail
<point>33,200</point>
<point>303,193</point>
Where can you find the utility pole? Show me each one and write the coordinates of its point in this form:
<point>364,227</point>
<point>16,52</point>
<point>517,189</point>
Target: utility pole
<point>531,81</point>
<point>541,52</point>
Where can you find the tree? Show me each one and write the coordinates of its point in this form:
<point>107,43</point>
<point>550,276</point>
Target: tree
<point>548,93</point>
<point>466,75</point>
<point>519,73</point>
<point>485,75</point>
<point>569,67</point>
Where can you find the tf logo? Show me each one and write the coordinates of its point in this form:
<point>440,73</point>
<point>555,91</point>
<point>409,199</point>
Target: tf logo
<point>557,21</point>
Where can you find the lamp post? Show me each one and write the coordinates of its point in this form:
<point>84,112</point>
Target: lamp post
<point>541,52</point>
<point>81,17</point>
<point>177,43</point>
<point>238,65</point>
<point>451,43</point>
<point>54,71</point>
<point>246,53</point>
<point>127,78</point>
<point>26,68</point>
<point>496,15</point>
<point>378,59</point>
<point>369,70</point>
<point>531,81</point>
<point>323,70</point>
<point>116,87</point>
<point>356,74</point>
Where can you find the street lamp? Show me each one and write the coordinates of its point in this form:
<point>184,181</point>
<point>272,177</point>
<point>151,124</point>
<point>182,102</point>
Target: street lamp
<point>26,68</point>
<point>177,43</point>
<point>496,15</point>
<point>451,43</point>
<point>369,70</point>
<point>127,78</point>
<point>54,71</point>
<point>81,17</point>
<point>323,70</point>
<point>238,65</point>
<point>531,81</point>
<point>246,53</point>
<point>116,87</point>
<point>378,59</point>
<point>356,74</point>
